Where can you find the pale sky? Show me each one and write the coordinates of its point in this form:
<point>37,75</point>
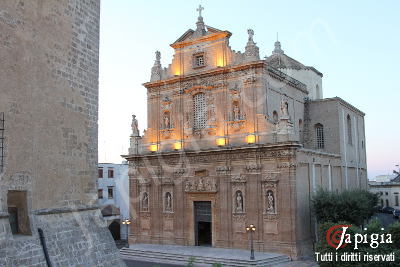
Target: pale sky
<point>355,44</point>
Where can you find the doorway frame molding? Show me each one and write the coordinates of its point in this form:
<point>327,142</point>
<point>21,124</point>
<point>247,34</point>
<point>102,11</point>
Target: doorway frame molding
<point>190,220</point>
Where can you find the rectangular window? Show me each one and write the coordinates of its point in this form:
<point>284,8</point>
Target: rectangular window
<point>100,172</point>
<point>396,199</point>
<point>100,193</point>
<point>1,141</point>
<point>199,61</point>
<point>110,192</point>
<point>110,173</point>
<point>199,109</point>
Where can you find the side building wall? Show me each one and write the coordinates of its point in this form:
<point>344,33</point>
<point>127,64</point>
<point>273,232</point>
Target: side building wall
<point>49,97</point>
<point>337,117</point>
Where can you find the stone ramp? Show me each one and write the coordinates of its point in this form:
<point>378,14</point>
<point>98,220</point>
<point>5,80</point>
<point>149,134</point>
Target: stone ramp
<point>203,256</point>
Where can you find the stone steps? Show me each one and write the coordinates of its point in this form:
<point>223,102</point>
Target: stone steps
<point>262,259</point>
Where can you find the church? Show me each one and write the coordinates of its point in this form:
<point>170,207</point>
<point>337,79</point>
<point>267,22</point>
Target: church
<point>233,140</point>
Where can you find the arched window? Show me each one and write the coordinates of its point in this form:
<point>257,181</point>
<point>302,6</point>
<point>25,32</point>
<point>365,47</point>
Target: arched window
<point>319,134</point>
<point>275,116</point>
<point>199,111</point>
<point>300,125</point>
<point>349,135</point>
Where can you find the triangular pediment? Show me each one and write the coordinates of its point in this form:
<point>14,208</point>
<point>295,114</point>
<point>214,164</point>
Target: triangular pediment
<point>188,35</point>
<point>185,36</point>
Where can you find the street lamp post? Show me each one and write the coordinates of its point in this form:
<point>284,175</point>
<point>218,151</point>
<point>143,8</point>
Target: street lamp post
<point>251,228</point>
<point>127,222</point>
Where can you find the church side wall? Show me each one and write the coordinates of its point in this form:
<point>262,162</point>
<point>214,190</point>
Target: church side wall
<point>312,80</point>
<point>314,170</point>
<point>332,114</point>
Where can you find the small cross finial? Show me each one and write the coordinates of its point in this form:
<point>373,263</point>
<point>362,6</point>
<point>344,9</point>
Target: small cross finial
<point>200,9</point>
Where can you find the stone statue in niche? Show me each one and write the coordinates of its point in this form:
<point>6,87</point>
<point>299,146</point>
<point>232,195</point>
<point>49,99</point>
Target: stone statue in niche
<point>239,201</point>
<point>135,126</point>
<point>236,112</point>
<point>284,108</point>
<point>145,201</point>
<point>168,201</point>
<point>270,202</point>
<point>167,121</point>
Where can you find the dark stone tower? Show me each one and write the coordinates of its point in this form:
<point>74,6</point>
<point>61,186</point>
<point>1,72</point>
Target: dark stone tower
<point>49,54</point>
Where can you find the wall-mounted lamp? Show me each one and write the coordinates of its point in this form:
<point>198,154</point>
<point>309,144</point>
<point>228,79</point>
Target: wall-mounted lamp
<point>251,138</point>
<point>153,147</point>
<point>177,146</point>
<point>221,141</point>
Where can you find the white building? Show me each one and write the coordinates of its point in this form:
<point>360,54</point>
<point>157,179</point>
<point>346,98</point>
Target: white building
<point>387,189</point>
<point>112,184</point>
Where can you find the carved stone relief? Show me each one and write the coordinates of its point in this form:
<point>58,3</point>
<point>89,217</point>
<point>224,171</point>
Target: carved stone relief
<point>203,184</point>
<point>239,223</point>
<point>253,167</point>
<point>225,169</point>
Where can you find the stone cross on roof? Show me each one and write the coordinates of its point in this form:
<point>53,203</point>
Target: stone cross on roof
<point>200,9</point>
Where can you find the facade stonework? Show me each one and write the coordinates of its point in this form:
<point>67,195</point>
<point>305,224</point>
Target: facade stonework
<point>49,97</point>
<point>232,140</point>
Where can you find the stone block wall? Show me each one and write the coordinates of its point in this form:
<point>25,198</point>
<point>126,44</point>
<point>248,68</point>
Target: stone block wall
<point>49,52</point>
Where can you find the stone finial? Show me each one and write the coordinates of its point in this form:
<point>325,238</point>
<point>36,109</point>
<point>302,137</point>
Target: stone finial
<point>200,26</point>
<point>156,69</point>
<point>278,49</point>
<point>252,51</point>
<point>200,8</point>
<point>251,34</point>
<point>158,56</point>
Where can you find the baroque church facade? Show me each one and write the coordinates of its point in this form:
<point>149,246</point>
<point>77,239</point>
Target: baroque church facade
<point>234,140</point>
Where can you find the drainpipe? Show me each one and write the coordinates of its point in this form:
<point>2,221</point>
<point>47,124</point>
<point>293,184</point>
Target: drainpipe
<point>43,243</point>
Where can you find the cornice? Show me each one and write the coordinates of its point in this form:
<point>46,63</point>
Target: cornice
<point>262,64</point>
<point>207,73</point>
<point>243,149</point>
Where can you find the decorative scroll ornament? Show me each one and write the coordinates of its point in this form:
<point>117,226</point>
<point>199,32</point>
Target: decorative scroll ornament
<point>238,179</point>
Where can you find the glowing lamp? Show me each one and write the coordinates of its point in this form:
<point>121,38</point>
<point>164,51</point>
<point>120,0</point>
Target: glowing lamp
<point>251,227</point>
<point>177,146</point>
<point>220,141</point>
<point>153,147</point>
<point>220,61</point>
<point>251,138</point>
